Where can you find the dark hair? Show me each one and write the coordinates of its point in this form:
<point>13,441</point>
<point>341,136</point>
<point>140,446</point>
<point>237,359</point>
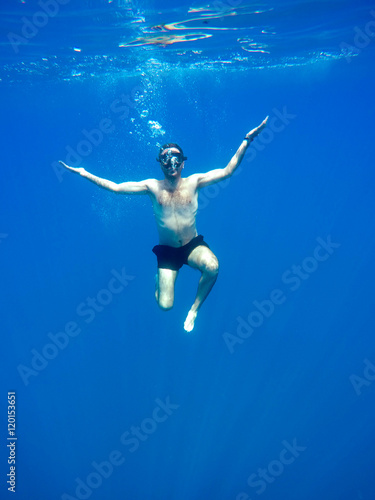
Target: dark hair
<point>170,145</point>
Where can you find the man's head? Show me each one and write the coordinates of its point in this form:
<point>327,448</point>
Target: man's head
<point>171,158</point>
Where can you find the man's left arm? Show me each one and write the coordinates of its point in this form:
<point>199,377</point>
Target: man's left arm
<point>219,174</point>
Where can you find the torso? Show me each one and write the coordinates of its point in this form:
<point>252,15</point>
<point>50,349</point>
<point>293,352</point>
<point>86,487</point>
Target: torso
<point>175,211</point>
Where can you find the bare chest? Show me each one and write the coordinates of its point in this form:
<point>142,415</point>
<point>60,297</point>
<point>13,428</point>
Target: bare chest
<point>181,198</point>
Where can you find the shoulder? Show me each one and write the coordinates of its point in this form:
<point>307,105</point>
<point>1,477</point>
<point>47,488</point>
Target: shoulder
<point>150,183</point>
<point>193,179</point>
<point>153,185</point>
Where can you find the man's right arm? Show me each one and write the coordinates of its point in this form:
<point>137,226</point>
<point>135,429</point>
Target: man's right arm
<point>142,187</point>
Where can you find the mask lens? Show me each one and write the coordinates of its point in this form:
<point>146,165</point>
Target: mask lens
<point>171,159</point>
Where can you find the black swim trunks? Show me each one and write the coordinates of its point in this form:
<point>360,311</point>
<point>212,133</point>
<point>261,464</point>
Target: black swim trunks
<point>175,257</point>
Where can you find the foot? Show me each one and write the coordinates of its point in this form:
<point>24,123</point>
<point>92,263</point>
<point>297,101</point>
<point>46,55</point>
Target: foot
<point>189,321</point>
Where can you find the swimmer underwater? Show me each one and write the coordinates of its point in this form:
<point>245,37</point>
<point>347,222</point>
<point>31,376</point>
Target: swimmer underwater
<point>175,204</point>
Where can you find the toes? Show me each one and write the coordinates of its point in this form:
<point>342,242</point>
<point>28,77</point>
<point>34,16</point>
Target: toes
<point>189,322</point>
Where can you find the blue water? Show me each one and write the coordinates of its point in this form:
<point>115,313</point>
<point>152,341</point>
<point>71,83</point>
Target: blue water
<point>272,394</point>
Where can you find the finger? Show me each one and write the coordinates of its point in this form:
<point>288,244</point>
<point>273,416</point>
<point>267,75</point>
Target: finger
<point>67,166</point>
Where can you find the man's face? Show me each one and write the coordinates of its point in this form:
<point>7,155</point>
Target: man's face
<point>171,162</point>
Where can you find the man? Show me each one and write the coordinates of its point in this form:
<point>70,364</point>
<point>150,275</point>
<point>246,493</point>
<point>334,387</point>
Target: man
<point>175,204</point>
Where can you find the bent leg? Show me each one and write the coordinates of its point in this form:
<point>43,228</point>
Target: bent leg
<point>203,259</point>
<point>164,288</point>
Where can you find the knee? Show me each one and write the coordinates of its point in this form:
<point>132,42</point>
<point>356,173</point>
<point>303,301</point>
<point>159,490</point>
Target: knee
<point>211,267</point>
<point>165,303</point>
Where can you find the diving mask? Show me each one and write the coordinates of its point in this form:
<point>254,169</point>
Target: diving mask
<point>171,159</point>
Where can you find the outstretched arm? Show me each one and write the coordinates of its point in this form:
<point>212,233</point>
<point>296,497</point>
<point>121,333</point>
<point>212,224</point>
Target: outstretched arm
<point>141,187</point>
<point>222,173</point>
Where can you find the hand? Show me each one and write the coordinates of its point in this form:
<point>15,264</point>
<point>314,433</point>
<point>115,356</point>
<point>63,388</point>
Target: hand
<point>256,131</point>
<point>79,170</point>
